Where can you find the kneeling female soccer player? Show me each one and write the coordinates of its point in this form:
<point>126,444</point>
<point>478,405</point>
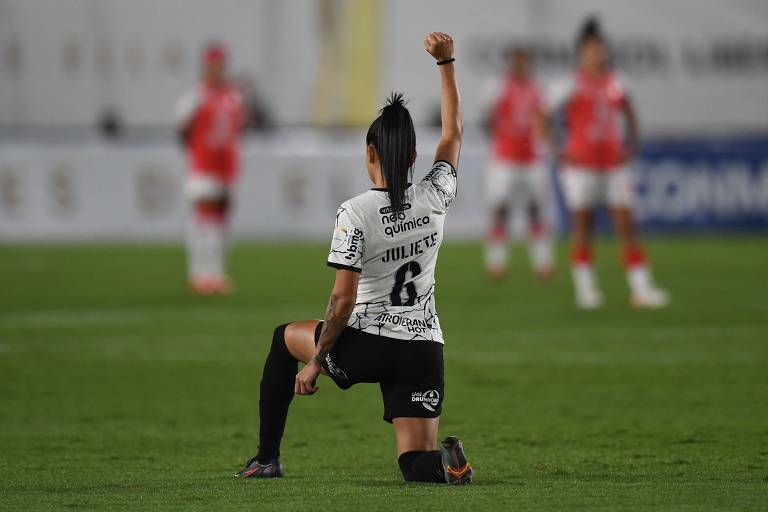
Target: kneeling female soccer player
<point>381,324</point>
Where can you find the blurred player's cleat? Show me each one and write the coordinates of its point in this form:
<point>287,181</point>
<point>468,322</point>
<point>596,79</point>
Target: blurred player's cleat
<point>652,298</point>
<point>255,469</point>
<point>588,298</point>
<point>222,285</point>
<point>211,285</point>
<point>496,273</point>
<point>457,469</point>
<point>544,273</point>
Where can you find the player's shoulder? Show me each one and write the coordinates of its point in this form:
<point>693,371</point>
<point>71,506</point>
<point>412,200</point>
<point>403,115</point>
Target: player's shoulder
<point>359,204</point>
<point>560,89</point>
<point>619,82</point>
<point>439,184</point>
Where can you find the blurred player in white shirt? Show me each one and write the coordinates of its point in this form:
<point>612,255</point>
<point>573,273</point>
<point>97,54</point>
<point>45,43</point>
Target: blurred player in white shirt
<point>517,175</point>
<point>595,169</point>
<point>209,121</point>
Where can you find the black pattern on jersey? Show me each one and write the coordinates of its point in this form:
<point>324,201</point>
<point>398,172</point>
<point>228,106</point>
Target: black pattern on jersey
<point>373,317</point>
<point>443,178</point>
<point>347,242</point>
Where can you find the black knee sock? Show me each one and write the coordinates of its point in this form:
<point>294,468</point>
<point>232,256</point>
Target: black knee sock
<point>276,391</point>
<point>422,467</point>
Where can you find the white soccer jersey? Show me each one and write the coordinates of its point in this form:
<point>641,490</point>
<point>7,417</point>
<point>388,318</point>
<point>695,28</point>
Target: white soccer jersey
<point>395,253</point>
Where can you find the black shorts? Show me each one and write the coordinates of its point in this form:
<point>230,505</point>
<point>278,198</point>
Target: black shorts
<point>409,373</point>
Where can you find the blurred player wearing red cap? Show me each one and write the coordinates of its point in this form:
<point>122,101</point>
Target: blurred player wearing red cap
<point>517,174</point>
<point>209,121</point>
<point>596,168</point>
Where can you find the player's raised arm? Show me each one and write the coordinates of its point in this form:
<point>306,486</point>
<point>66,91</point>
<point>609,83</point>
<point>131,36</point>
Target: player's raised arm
<point>440,46</point>
<point>633,130</point>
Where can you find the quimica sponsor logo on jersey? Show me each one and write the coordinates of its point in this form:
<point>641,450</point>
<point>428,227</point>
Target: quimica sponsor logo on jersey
<point>395,220</point>
<point>429,399</point>
<point>400,225</point>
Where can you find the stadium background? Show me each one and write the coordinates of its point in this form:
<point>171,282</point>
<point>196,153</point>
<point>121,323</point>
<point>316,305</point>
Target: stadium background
<point>697,73</point>
<point>106,360</point>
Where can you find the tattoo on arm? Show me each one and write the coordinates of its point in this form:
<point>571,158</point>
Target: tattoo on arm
<point>336,317</point>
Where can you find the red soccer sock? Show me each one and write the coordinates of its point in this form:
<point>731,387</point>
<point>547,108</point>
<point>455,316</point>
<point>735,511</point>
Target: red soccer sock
<point>633,256</point>
<point>538,230</point>
<point>211,212</point>
<point>498,233</point>
<point>581,254</point>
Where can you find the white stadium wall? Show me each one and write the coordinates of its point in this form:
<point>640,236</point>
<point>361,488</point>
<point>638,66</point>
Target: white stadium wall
<point>107,193</point>
<point>291,187</point>
<point>696,66</point>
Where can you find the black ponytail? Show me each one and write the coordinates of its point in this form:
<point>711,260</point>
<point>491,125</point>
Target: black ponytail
<point>393,136</point>
<point>589,30</point>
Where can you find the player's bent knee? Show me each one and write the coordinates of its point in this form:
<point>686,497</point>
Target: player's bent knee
<point>279,344</point>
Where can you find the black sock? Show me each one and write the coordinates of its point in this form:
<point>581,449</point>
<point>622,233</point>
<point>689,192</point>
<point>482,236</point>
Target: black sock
<point>422,467</point>
<point>276,393</point>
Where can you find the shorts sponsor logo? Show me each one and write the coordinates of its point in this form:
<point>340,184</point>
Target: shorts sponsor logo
<point>333,368</point>
<point>429,399</point>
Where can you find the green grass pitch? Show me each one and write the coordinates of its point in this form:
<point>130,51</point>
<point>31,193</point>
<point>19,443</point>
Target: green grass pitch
<point>120,391</point>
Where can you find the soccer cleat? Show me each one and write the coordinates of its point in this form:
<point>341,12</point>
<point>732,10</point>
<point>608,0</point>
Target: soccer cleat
<point>255,469</point>
<point>211,285</point>
<point>589,299</point>
<point>457,469</point>
<point>544,273</point>
<point>652,298</point>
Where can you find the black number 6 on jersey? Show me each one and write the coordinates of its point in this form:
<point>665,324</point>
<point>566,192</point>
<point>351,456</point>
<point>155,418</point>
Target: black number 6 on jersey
<point>395,297</point>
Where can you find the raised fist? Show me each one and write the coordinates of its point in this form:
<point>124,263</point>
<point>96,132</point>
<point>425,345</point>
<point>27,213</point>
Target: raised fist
<point>439,45</point>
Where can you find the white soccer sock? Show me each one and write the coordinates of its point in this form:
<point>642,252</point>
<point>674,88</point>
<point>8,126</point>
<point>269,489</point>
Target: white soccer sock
<point>583,278</point>
<point>496,254</point>
<point>213,249</point>
<point>639,279</point>
<point>540,253</point>
<point>218,248</point>
<point>195,249</point>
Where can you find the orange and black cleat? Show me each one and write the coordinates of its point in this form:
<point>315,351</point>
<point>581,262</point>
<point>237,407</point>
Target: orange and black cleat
<point>457,469</point>
<point>255,469</point>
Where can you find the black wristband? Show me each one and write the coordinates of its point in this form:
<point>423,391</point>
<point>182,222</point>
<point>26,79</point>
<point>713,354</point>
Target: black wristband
<point>446,61</point>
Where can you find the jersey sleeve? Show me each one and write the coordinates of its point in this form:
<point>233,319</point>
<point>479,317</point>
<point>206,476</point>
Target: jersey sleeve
<point>348,242</point>
<point>558,94</point>
<point>619,89</point>
<point>186,107</point>
<point>440,183</point>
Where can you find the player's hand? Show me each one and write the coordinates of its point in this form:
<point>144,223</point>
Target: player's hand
<point>439,45</point>
<point>306,378</point>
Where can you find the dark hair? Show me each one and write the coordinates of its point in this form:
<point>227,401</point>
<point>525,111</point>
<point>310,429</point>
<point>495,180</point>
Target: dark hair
<point>393,136</point>
<point>589,30</point>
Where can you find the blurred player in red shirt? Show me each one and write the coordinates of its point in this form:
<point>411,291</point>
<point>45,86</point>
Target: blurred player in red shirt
<point>210,120</point>
<point>516,174</point>
<point>601,140</point>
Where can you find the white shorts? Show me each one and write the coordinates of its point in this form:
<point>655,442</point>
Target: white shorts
<point>518,184</point>
<point>586,189</point>
<point>203,187</point>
